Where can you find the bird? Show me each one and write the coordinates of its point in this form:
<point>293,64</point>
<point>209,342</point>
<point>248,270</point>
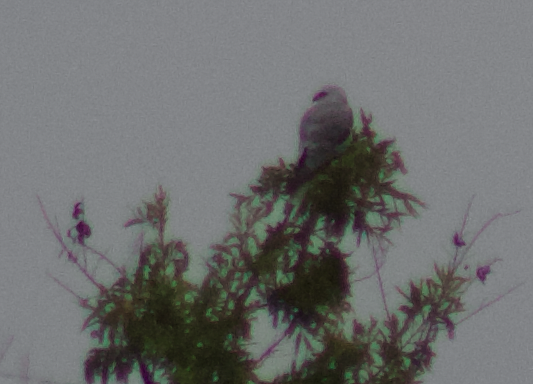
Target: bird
<point>324,127</point>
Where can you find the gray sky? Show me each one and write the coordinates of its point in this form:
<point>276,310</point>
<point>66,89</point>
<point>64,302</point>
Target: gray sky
<point>104,100</point>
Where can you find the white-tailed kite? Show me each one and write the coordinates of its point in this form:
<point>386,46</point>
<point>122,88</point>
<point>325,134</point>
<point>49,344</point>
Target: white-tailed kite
<point>323,128</point>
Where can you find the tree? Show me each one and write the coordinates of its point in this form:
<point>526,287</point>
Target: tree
<point>154,320</point>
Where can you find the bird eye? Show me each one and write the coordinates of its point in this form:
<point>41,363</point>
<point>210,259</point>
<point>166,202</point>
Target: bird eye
<point>319,95</point>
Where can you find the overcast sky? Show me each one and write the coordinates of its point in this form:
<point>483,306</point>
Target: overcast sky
<point>105,100</point>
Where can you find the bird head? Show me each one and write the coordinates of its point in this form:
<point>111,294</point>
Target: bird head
<point>330,94</point>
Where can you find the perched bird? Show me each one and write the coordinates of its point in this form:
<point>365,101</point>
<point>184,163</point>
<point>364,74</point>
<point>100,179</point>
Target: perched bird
<point>323,128</point>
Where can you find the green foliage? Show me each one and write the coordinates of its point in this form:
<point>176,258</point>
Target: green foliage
<point>198,334</point>
<point>153,319</point>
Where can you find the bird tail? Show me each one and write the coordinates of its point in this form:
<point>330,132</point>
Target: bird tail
<point>302,174</point>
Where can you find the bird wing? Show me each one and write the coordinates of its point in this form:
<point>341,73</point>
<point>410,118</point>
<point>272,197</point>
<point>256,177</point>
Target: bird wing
<point>322,129</point>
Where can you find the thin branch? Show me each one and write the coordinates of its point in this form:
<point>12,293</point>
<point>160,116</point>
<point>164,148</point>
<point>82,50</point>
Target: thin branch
<point>66,250</point>
<point>105,258</point>
<point>276,343</point>
<point>380,280</point>
<point>463,227</point>
<point>485,226</point>
<point>65,287</point>
<point>483,306</point>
